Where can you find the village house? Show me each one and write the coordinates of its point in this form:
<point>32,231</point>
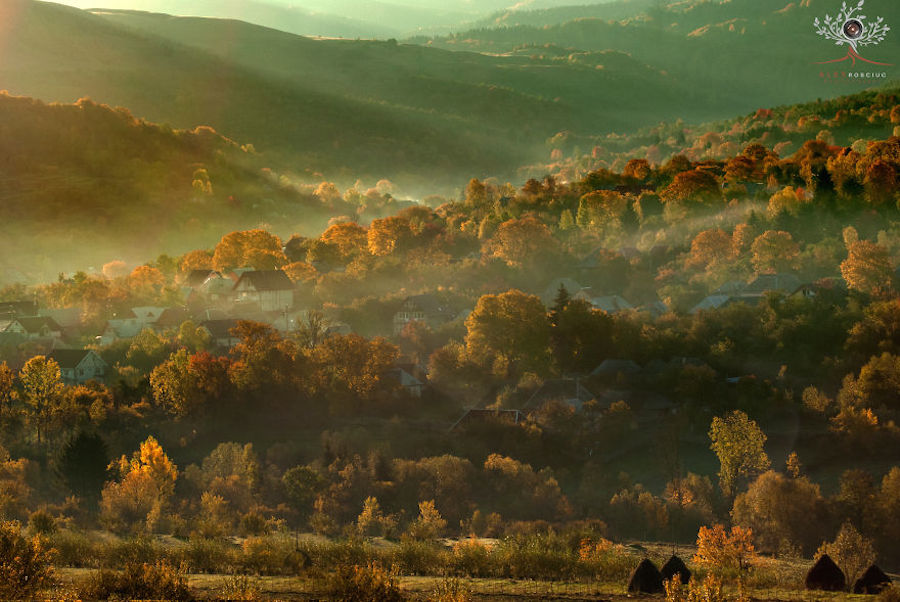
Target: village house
<point>422,308</point>
<point>220,332</point>
<point>32,328</point>
<point>78,366</point>
<point>477,416</point>
<point>269,290</point>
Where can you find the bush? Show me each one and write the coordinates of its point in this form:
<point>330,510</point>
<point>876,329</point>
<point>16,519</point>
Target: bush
<point>536,557</point>
<point>420,557</point>
<point>42,522</point>
<point>451,590</point>
<point>473,559</point>
<point>271,555</point>
<point>240,587</point>
<point>139,581</point>
<point>202,555</point>
<point>74,549</point>
<point>604,560</point>
<point>368,583</point>
<point>25,564</point>
<point>139,550</point>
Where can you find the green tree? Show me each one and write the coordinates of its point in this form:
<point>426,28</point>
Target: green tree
<point>739,444</point>
<point>81,465</point>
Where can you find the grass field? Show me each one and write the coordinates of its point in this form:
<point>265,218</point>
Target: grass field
<point>772,580</point>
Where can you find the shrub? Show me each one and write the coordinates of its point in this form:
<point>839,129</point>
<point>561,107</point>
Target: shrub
<point>25,569</point>
<point>369,583</point>
<point>240,587</point>
<point>472,559</point>
<point>74,549</point>
<point>42,522</point>
<point>202,555</point>
<point>419,557</point>
<point>536,557</point>
<point>604,560</point>
<point>710,589</point>
<point>139,581</point>
<point>271,555</point>
<point>451,590</point>
<point>137,550</point>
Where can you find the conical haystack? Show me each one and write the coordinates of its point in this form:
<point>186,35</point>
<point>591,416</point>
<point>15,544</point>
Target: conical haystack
<point>646,579</point>
<point>676,566</point>
<point>873,581</point>
<point>826,575</point>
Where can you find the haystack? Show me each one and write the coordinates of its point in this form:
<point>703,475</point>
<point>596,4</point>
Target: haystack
<point>676,566</point>
<point>646,579</point>
<point>873,581</point>
<point>826,575</point>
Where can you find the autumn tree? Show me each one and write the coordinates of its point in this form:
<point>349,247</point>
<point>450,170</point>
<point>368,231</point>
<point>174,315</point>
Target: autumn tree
<point>725,551</point>
<point>187,384</point>
<point>739,444</point>
<point>509,333</point>
<point>774,252</point>
<point>602,208</point>
<point>195,260</point>
<point>255,249</point>
<point>868,268</point>
<point>42,388</point>
<point>351,370</point>
<point>787,200</point>
<point>301,272</point>
<point>135,501</point>
<point>695,186</point>
<point>850,550</point>
<point>349,238</point>
<point>146,283</point>
<point>389,235</point>
<point>880,182</point>
<point>429,525</point>
<point>523,242</point>
<point>265,363</point>
<point>639,169</point>
<point>709,248</point>
<point>782,512</point>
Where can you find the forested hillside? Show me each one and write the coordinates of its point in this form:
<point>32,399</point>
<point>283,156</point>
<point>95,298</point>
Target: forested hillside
<point>85,172</point>
<point>765,51</point>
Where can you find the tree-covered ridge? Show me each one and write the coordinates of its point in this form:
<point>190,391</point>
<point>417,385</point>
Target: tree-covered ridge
<point>847,121</point>
<point>763,52</point>
<point>74,170</point>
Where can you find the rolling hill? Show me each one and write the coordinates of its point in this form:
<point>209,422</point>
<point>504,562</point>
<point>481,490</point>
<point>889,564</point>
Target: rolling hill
<point>346,109</point>
<point>81,184</point>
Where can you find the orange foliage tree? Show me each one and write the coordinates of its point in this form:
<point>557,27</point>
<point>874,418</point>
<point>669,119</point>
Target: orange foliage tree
<point>868,268</point>
<point>725,551</point>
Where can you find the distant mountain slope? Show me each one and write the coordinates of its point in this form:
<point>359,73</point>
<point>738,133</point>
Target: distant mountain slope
<point>765,51</point>
<point>540,17</point>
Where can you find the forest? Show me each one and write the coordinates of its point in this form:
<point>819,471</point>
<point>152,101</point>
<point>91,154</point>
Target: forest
<point>692,349</point>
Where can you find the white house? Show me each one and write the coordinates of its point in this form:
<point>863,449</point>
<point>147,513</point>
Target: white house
<point>269,290</point>
<point>79,365</point>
